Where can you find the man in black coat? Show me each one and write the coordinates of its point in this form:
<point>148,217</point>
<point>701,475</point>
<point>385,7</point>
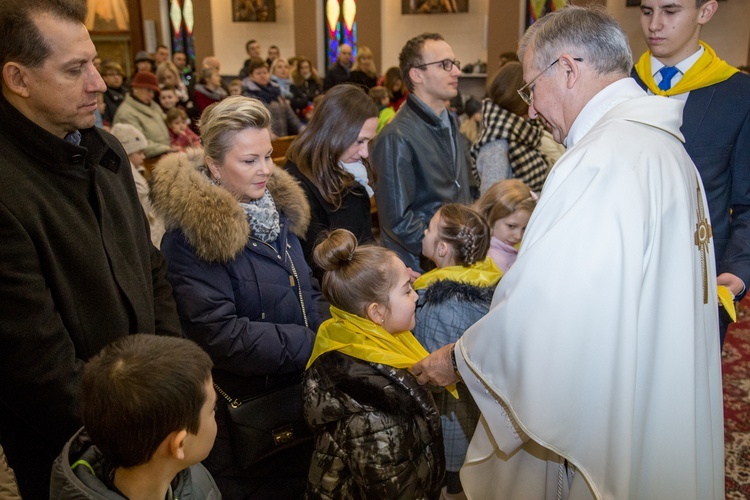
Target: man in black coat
<point>77,269</point>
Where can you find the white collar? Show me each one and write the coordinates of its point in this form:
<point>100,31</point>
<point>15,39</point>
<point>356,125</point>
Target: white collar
<point>683,65</point>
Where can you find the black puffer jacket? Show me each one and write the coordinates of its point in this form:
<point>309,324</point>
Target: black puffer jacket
<point>377,431</point>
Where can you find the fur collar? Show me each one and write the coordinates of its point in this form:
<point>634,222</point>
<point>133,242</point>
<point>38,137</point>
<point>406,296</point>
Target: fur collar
<point>444,290</point>
<point>208,215</point>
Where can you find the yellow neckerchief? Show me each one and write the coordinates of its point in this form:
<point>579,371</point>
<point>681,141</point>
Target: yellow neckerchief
<point>726,300</point>
<point>485,273</point>
<point>707,70</point>
<point>362,339</point>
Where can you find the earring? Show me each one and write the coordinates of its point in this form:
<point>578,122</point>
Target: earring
<point>216,182</point>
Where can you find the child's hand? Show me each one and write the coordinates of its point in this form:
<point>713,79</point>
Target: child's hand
<point>436,369</point>
<point>413,275</point>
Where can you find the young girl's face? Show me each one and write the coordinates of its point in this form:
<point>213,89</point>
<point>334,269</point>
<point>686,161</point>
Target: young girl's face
<point>178,126</point>
<point>432,237</point>
<point>402,301</point>
<point>167,99</point>
<point>510,229</point>
<point>235,90</point>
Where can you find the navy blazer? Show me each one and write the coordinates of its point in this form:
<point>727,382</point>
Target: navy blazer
<point>716,126</point>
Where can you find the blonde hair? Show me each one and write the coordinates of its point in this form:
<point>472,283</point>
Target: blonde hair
<point>222,120</point>
<point>465,231</point>
<point>165,67</point>
<point>505,198</point>
<point>355,276</point>
<point>362,52</point>
<point>276,63</point>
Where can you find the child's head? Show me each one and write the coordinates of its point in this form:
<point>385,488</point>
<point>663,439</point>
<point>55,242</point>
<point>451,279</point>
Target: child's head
<point>457,235</point>
<point>147,396</point>
<point>379,95</point>
<point>132,140</point>
<point>369,281</point>
<point>235,87</point>
<point>177,120</point>
<point>507,207</point>
<point>168,97</point>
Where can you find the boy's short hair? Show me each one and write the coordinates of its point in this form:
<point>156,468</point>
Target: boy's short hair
<point>138,390</point>
<point>377,94</point>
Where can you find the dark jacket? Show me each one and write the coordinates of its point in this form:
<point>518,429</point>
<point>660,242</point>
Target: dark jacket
<point>417,173</point>
<point>353,214</point>
<point>716,126</point>
<point>336,75</point>
<point>377,432</point>
<point>445,310</point>
<point>237,297</point>
<point>112,100</point>
<point>285,122</point>
<point>77,271</point>
<point>304,94</point>
<point>91,478</point>
<point>365,81</point>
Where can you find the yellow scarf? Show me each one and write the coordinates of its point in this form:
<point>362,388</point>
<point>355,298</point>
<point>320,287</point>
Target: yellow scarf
<point>707,70</point>
<point>485,273</point>
<point>362,339</point>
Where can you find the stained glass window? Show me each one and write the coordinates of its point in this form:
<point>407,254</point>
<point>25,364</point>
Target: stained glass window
<point>341,27</point>
<point>182,22</point>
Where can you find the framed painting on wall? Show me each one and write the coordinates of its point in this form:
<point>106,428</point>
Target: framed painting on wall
<point>434,6</point>
<point>253,11</point>
<point>107,16</point>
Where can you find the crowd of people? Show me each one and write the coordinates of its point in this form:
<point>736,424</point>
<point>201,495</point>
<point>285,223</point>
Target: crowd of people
<point>370,317</point>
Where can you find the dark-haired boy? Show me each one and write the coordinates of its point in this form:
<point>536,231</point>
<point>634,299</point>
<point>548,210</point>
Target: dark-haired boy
<point>148,413</point>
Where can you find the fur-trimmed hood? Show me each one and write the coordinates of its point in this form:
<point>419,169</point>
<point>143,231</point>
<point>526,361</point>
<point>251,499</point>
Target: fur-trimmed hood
<point>208,215</point>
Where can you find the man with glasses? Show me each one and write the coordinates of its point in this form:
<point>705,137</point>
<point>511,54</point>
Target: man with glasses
<point>597,370</point>
<point>419,157</point>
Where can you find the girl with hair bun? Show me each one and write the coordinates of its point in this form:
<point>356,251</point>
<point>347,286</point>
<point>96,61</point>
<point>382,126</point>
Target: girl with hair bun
<point>377,430</point>
<point>453,297</point>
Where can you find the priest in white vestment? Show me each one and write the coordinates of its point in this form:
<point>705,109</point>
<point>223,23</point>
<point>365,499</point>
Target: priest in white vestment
<point>597,369</point>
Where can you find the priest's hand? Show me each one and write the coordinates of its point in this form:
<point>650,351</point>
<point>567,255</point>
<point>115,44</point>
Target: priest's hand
<point>437,368</point>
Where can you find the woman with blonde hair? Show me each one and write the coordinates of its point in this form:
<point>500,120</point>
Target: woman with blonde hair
<point>243,290</point>
<point>169,76</point>
<point>364,73</point>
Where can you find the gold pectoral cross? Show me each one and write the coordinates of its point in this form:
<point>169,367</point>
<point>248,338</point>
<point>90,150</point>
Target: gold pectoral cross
<point>702,239</point>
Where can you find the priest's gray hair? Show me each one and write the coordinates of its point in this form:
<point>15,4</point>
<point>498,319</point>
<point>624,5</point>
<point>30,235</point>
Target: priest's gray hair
<point>586,32</point>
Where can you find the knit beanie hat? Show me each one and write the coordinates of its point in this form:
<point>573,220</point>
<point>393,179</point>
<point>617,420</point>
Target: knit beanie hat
<point>131,138</point>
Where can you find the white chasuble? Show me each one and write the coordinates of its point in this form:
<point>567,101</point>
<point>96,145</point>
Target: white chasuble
<point>599,348</point>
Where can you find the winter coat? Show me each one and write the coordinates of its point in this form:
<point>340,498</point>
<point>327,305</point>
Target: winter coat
<point>377,432</point>
<point>284,121</point>
<point>304,93</point>
<point>149,119</point>
<point>77,271</point>
<point>445,310</point>
<point>112,99</point>
<point>417,174</point>
<point>237,297</point>
<point>353,214</point>
<point>91,477</point>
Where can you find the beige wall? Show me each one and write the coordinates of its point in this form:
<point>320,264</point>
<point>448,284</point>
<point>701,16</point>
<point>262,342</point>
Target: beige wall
<point>230,37</point>
<point>300,32</point>
<point>464,32</point>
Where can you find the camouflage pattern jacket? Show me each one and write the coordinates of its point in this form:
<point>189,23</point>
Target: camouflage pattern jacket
<point>377,432</point>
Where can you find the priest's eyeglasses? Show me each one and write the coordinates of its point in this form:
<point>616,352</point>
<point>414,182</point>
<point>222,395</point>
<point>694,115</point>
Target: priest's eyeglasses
<point>527,91</point>
<point>446,64</point>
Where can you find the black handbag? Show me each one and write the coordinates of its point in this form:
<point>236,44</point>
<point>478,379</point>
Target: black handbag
<point>267,422</point>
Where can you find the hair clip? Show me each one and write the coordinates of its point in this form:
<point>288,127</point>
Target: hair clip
<point>351,256</point>
<point>534,196</point>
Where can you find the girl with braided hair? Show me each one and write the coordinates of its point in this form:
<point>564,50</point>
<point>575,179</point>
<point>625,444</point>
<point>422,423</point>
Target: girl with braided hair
<point>453,297</point>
